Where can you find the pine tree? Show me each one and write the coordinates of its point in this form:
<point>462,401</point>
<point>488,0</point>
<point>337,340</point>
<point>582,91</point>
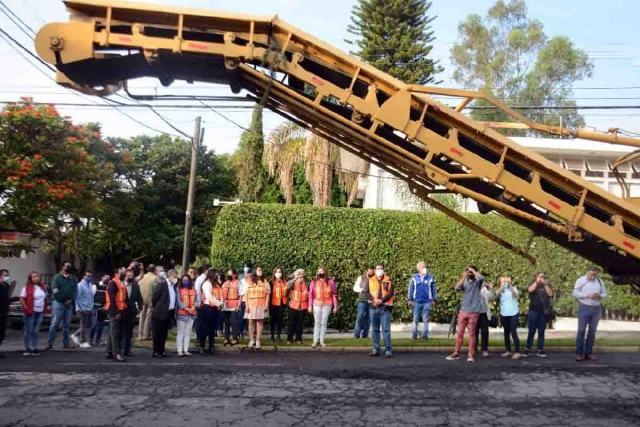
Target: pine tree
<point>249,159</point>
<point>394,36</point>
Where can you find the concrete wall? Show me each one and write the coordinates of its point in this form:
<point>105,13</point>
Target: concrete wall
<point>20,267</point>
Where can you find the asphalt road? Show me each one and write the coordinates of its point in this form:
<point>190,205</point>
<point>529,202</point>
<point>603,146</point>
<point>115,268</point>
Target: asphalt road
<point>269,389</point>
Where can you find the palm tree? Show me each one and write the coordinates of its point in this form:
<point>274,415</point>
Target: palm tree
<point>290,144</point>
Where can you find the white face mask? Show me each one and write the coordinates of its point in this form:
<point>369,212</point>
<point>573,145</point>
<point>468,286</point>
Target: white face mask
<point>423,271</point>
<point>379,273</point>
<point>246,270</point>
<point>278,275</point>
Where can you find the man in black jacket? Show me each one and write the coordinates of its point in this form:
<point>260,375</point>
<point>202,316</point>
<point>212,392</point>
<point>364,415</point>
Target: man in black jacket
<point>116,307</point>
<point>164,308</point>
<point>134,304</point>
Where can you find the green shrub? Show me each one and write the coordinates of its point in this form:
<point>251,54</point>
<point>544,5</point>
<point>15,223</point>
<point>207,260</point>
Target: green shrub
<point>346,240</point>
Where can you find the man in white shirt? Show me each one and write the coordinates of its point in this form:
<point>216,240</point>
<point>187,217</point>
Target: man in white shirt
<point>203,272</point>
<point>589,291</point>
<point>242,289</point>
<point>164,306</point>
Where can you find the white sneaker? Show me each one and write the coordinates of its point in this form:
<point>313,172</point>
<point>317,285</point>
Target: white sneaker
<point>85,345</point>
<point>322,344</point>
<point>252,344</point>
<point>314,345</point>
<point>506,354</point>
<point>180,354</point>
<point>258,344</point>
<point>75,339</point>
<point>186,353</point>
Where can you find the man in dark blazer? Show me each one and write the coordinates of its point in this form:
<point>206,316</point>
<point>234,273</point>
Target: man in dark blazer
<point>134,305</point>
<point>164,309</point>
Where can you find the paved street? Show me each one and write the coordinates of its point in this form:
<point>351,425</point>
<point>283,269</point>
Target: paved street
<point>268,389</point>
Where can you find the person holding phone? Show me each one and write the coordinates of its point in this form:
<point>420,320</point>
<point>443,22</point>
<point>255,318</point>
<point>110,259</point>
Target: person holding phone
<point>470,283</point>
<point>589,290</point>
<point>509,315</point>
<point>540,293</point>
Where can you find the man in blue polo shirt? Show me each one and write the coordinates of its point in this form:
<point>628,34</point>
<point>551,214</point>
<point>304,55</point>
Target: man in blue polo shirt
<point>422,296</point>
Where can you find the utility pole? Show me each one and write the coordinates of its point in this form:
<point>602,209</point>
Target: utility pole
<point>195,144</point>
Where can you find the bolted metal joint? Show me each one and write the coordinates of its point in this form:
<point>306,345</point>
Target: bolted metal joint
<point>56,43</point>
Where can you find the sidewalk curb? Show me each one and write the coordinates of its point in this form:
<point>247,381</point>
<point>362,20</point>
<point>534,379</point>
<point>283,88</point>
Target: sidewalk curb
<point>297,349</point>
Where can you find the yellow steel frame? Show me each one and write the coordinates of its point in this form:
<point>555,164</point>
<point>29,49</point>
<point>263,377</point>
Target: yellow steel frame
<point>283,48</point>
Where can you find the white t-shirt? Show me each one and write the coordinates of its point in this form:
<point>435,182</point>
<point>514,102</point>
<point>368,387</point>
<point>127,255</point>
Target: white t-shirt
<point>242,288</point>
<point>172,296</point>
<point>38,298</point>
<point>199,281</point>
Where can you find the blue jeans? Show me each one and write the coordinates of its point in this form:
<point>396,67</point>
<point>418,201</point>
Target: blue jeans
<point>537,322</point>
<point>60,314</point>
<point>97,326</point>
<point>363,321</point>
<point>31,330</point>
<point>421,312</point>
<point>587,316</point>
<point>381,317</point>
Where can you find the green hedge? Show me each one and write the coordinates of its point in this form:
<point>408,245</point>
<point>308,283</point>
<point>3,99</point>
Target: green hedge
<point>346,240</point>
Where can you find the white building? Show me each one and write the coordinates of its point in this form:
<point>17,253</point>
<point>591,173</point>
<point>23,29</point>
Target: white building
<point>588,159</point>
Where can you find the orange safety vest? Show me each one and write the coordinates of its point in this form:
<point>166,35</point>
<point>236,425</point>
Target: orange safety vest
<point>322,293</point>
<point>279,293</point>
<point>299,296</point>
<point>230,293</point>
<point>188,298</point>
<point>257,295</point>
<point>121,296</point>
<point>216,290</point>
<point>380,292</point>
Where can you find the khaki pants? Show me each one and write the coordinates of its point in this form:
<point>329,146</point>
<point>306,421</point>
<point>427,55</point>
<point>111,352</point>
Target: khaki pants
<point>144,327</point>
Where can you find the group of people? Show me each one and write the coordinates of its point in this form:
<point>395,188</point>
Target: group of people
<point>224,304</point>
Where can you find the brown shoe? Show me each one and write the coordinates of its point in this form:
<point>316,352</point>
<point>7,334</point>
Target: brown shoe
<point>591,358</point>
<point>516,356</point>
<point>579,358</point>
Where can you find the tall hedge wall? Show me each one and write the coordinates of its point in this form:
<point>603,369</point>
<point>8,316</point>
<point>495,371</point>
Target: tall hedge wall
<point>346,240</point>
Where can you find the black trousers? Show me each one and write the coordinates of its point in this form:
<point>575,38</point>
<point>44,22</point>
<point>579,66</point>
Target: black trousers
<point>277,315</point>
<point>3,326</point>
<point>296,323</point>
<point>199,323</point>
<point>209,317</point>
<point>482,329</point>
<point>160,332</point>
<point>230,319</point>
<point>129,324</point>
<point>115,336</point>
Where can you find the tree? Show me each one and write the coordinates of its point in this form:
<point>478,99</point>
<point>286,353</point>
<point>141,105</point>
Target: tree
<point>50,177</point>
<point>508,56</point>
<point>249,159</point>
<point>288,147</point>
<point>394,36</point>
<point>144,219</point>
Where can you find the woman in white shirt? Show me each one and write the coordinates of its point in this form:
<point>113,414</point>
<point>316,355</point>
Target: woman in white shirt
<point>33,299</point>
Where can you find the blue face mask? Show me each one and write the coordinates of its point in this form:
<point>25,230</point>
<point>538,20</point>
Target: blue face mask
<point>186,283</point>
<point>88,280</point>
<point>7,278</point>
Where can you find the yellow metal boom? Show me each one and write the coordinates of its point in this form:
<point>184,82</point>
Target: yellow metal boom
<point>397,126</point>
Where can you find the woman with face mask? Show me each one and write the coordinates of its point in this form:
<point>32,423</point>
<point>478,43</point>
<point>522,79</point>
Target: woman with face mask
<point>33,299</point>
<point>509,312</point>
<point>323,297</point>
<point>279,291</point>
<point>231,307</point>
<point>212,302</point>
<point>257,301</point>
<point>187,299</point>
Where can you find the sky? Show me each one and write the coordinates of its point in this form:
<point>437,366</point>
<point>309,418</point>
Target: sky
<point>607,31</point>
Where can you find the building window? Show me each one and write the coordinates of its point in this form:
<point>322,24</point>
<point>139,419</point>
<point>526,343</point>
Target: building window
<point>596,168</point>
<point>575,165</point>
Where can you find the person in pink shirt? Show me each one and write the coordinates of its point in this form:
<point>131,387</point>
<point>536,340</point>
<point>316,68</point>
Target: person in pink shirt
<point>323,296</point>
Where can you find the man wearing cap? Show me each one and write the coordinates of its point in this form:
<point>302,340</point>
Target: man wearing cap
<point>589,291</point>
